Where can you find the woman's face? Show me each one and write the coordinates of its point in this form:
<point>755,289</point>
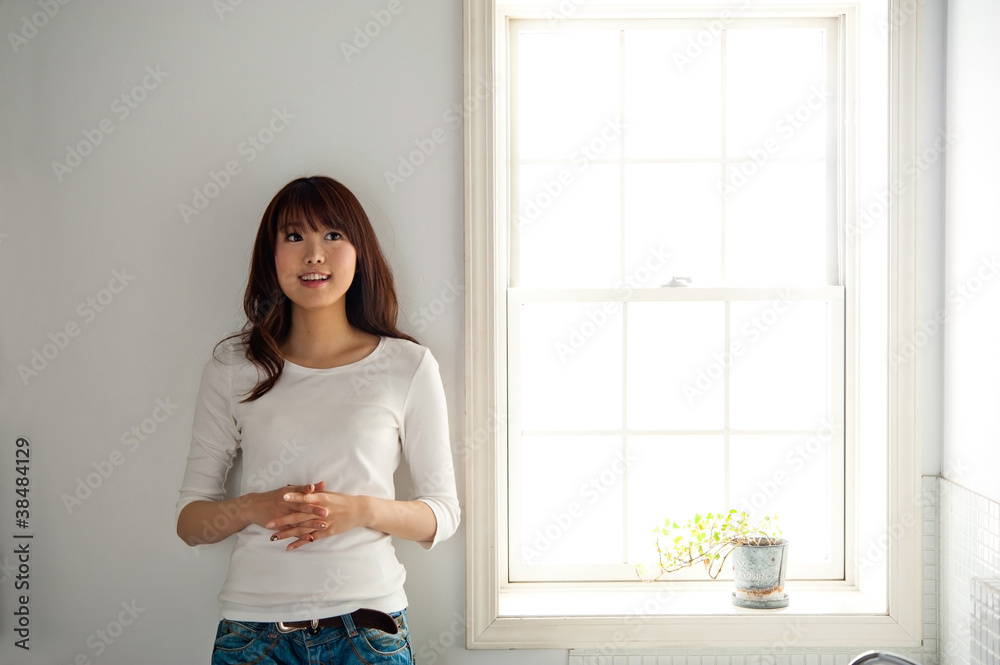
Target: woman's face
<point>302,252</point>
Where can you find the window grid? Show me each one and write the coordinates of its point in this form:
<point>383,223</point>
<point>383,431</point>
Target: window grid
<point>834,296</point>
<point>567,295</point>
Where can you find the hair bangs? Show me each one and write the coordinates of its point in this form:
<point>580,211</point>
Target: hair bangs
<point>306,205</point>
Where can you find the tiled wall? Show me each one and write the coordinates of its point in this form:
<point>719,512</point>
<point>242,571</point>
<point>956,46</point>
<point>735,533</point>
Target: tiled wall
<point>985,622</point>
<point>969,616</point>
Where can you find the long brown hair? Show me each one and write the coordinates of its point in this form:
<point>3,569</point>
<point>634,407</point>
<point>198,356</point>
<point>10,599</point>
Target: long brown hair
<point>322,203</point>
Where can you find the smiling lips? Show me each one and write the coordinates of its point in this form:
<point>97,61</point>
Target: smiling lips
<point>313,279</point>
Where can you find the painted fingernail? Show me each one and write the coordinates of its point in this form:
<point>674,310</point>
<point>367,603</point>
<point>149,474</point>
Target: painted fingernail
<point>274,537</point>
<point>310,538</point>
<point>322,525</point>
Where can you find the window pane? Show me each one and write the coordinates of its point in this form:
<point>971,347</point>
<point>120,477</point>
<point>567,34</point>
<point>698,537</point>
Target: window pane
<point>677,207</point>
<point>564,81</point>
<point>776,227</point>
<point>571,366</point>
<point>776,92</point>
<point>571,237</point>
<point>571,505</point>
<point>723,176</point>
<point>787,475</point>
<point>781,378</point>
<point>672,107</point>
<point>670,476</point>
<point>668,344</point>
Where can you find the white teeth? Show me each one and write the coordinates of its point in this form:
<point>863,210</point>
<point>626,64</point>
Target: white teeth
<point>312,278</point>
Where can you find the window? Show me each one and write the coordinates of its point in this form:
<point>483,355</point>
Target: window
<point>594,227</point>
<point>640,151</point>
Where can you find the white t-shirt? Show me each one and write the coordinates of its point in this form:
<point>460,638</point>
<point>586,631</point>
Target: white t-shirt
<point>346,425</point>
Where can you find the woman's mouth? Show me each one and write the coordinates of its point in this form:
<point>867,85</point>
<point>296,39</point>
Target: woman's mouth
<point>313,280</point>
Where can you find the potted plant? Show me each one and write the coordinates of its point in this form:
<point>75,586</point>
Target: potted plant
<point>760,555</point>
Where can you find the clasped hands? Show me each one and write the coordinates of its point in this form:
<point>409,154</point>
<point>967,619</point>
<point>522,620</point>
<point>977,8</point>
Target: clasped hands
<point>307,513</point>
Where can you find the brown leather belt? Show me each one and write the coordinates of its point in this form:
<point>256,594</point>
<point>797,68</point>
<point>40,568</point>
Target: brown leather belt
<point>362,618</point>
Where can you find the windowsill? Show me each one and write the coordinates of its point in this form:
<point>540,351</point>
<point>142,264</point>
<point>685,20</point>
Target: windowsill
<point>690,614</point>
<point>682,599</point>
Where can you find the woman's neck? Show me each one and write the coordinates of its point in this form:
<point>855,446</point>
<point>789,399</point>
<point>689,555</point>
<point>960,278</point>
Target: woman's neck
<point>325,339</point>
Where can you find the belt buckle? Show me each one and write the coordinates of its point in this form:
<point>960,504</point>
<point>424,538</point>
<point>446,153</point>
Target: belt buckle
<point>282,628</point>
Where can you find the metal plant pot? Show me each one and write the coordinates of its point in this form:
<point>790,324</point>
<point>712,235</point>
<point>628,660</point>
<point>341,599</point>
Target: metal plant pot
<point>759,573</point>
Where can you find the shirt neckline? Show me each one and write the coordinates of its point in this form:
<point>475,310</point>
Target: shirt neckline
<point>339,368</point>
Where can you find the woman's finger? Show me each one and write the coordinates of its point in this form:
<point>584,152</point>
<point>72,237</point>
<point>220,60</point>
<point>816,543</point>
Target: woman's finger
<point>301,531</point>
<point>304,526</point>
<point>300,497</point>
<point>311,509</point>
<point>303,540</point>
<point>297,519</point>
<point>306,503</point>
<point>307,489</point>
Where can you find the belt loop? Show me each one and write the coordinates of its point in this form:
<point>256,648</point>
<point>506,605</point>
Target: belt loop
<point>349,625</point>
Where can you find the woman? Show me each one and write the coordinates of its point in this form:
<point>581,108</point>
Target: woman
<point>323,395</point>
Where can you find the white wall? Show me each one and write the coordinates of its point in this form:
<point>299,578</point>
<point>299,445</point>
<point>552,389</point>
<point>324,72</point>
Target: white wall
<point>119,210</point>
<point>930,232</point>
<point>972,249</point>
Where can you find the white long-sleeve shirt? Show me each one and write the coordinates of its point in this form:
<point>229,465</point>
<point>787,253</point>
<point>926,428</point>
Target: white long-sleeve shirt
<point>346,425</point>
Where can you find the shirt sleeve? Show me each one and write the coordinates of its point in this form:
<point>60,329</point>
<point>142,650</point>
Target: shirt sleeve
<point>215,438</point>
<point>427,448</point>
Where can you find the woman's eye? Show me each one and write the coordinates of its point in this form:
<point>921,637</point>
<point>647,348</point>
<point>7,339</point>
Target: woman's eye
<point>332,235</point>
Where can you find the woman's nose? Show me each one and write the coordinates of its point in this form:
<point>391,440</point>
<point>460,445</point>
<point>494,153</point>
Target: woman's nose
<point>314,253</point>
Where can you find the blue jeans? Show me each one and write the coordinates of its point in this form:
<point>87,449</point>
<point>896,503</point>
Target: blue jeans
<point>246,642</point>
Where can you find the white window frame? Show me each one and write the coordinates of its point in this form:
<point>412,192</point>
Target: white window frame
<point>877,609</point>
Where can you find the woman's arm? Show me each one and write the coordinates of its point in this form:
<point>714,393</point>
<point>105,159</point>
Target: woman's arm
<point>206,522</point>
<point>410,520</point>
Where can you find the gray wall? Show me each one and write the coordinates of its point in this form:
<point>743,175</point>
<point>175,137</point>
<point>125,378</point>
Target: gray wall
<point>351,115</point>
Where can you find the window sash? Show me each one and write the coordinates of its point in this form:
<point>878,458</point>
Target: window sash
<point>520,571</point>
<point>516,294</point>
<point>835,259</point>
